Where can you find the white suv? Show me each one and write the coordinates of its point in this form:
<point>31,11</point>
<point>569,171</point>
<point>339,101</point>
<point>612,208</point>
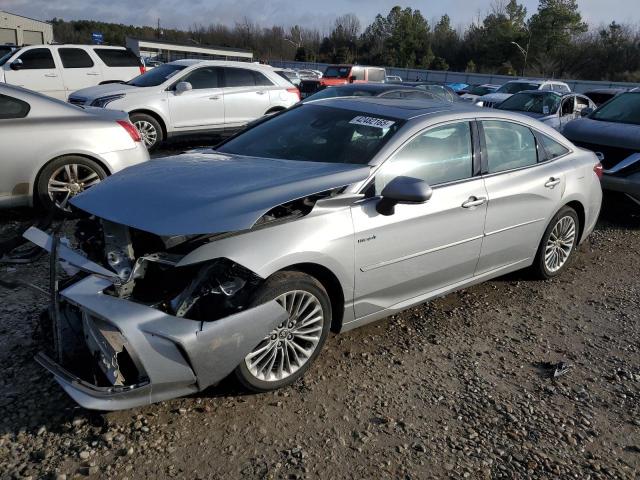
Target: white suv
<point>515,86</point>
<point>57,70</point>
<point>188,96</point>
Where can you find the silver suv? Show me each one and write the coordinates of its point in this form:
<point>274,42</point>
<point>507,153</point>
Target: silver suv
<point>188,96</point>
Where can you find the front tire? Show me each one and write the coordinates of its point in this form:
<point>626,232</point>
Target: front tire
<point>558,244</point>
<point>284,355</point>
<point>149,129</point>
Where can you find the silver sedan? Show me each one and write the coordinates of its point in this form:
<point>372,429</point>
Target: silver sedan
<point>52,150</point>
<point>330,215</point>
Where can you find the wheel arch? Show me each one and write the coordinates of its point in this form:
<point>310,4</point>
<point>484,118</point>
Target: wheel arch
<point>34,189</point>
<point>331,284</point>
<point>155,115</point>
<point>579,209</point>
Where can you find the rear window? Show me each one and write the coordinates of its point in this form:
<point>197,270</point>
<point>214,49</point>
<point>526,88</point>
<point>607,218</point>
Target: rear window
<point>115,57</point>
<point>75,58</point>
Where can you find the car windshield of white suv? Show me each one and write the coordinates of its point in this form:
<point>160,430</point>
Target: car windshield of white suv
<point>157,76</point>
<point>515,87</point>
<point>544,104</point>
<point>314,133</point>
<point>7,56</point>
<point>625,108</point>
<point>337,72</point>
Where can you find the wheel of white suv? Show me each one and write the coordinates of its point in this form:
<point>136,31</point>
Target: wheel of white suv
<point>558,243</point>
<point>149,129</point>
<point>285,354</point>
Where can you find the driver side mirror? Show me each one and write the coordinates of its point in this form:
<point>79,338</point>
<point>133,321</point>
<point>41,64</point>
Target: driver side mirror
<point>182,87</point>
<point>586,111</point>
<point>16,64</point>
<point>403,190</point>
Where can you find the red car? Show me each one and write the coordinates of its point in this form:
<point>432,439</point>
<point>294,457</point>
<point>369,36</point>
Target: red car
<point>343,74</point>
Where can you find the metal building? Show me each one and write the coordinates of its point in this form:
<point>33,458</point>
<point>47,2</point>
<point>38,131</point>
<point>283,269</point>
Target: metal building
<point>19,30</point>
<point>169,51</point>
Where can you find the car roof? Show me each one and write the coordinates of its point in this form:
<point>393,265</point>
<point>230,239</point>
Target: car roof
<point>374,87</point>
<point>222,63</point>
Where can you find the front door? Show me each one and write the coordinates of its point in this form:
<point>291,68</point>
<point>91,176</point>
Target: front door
<point>421,248</point>
<point>202,107</point>
<point>38,72</point>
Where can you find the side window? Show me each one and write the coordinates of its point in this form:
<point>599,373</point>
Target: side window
<point>375,74</point>
<point>508,146</point>
<point>75,58</point>
<point>553,148</point>
<point>203,78</point>
<point>438,155</point>
<point>261,80</point>
<point>581,103</point>
<point>567,106</point>
<point>12,108</point>
<point>117,57</point>
<point>37,58</point>
<point>357,73</point>
<point>547,86</point>
<point>239,77</point>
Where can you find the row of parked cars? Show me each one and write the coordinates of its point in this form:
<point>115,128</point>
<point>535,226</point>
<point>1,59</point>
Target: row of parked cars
<point>326,213</point>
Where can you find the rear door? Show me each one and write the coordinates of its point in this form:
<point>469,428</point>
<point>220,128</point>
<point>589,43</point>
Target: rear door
<point>202,107</point>
<point>118,64</point>
<point>525,189</point>
<point>246,97</point>
<point>78,69</point>
<point>38,72</point>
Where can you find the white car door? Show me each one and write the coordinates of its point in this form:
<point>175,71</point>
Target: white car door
<point>245,96</point>
<point>35,69</point>
<point>421,248</point>
<point>203,106</point>
<point>78,69</point>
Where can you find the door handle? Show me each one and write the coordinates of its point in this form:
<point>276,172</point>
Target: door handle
<point>50,75</point>
<point>474,202</point>
<point>552,182</point>
<point>215,97</point>
<point>260,92</point>
<point>93,73</point>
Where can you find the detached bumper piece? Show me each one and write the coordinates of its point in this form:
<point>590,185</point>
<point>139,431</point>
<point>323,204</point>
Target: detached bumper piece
<point>112,354</point>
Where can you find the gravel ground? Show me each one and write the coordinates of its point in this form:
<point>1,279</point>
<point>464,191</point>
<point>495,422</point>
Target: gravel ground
<point>457,388</point>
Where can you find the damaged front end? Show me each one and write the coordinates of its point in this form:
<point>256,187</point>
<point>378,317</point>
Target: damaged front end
<point>129,327</point>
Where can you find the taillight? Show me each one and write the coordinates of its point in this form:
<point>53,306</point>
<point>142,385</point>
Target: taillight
<point>143,69</point>
<point>295,91</point>
<point>597,168</point>
<point>131,130</point>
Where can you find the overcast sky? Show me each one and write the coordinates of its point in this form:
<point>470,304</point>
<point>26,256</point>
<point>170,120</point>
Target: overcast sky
<point>184,13</point>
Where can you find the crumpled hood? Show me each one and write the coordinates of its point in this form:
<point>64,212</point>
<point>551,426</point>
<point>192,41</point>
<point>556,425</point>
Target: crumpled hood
<point>98,91</point>
<point>197,193</point>
<point>598,132</point>
<point>494,97</point>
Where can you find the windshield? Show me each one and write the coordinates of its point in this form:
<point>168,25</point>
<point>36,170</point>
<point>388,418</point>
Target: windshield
<point>315,133</point>
<point>157,76</point>
<point>331,92</point>
<point>625,108</point>
<point>515,87</point>
<point>545,104</point>
<point>6,56</point>
<point>480,90</point>
<point>337,72</point>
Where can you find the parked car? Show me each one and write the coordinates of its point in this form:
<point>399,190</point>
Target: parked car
<point>515,86</point>
<point>603,95</point>
<point>393,79</point>
<point>473,92</point>
<point>381,90</point>
<point>553,108</point>
<point>188,96</point>
<point>457,86</point>
<point>58,70</point>
<point>332,214</point>
<point>290,75</point>
<point>306,74</point>
<point>613,132</point>
<point>444,92</point>
<point>343,74</point>
<point>52,151</point>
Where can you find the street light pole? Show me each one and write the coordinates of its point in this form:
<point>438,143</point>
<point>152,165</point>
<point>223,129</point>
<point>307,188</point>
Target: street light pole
<point>525,53</point>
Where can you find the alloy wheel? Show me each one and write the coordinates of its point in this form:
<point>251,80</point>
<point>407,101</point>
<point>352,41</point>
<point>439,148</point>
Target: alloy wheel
<point>147,131</point>
<point>560,244</point>
<point>291,344</point>
<point>68,181</point>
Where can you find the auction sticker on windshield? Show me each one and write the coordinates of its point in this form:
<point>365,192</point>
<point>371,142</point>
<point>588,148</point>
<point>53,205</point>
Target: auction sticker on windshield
<point>372,122</point>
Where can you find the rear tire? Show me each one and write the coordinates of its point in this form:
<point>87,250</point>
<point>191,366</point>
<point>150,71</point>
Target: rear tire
<point>284,355</point>
<point>149,129</point>
<point>557,245</point>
